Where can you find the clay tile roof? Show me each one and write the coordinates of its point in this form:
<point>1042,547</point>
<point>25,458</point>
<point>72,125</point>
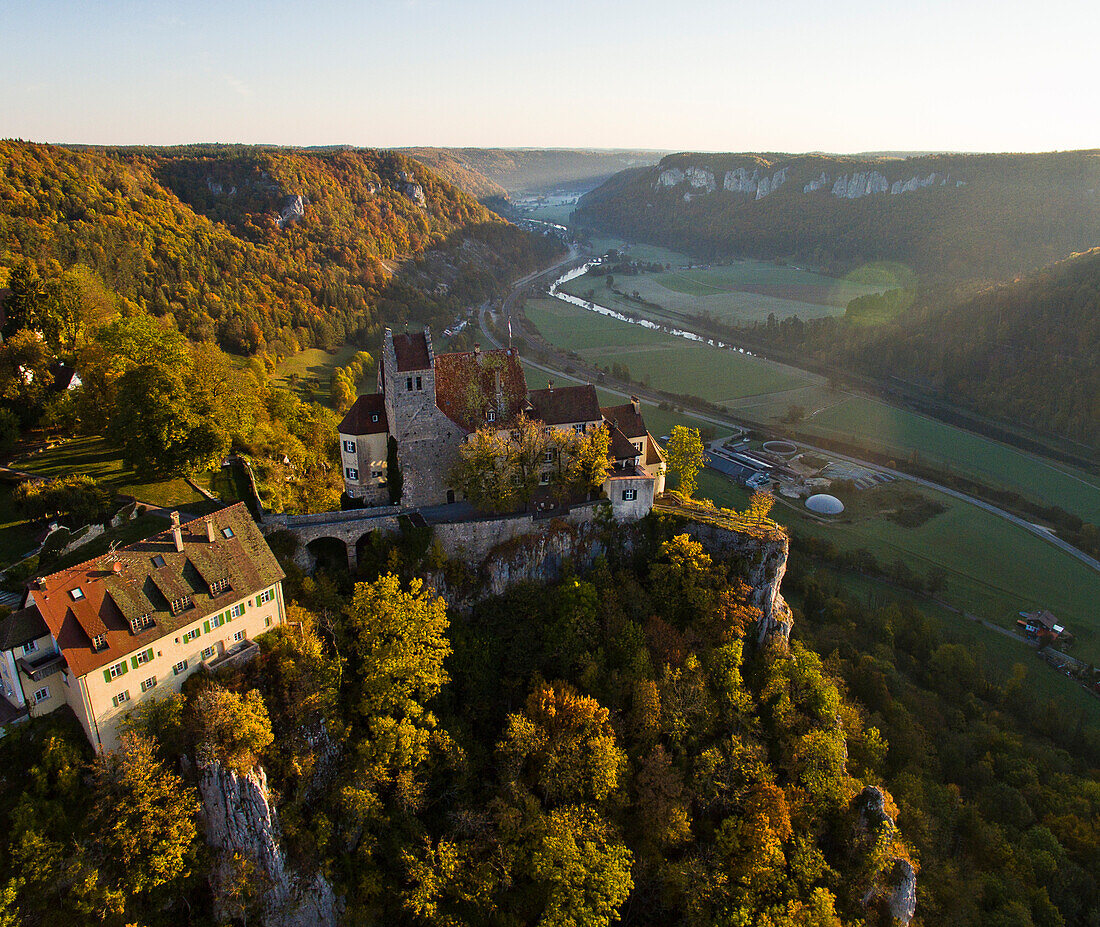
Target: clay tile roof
<point>22,626</point>
<point>149,575</point>
<point>466,388</point>
<point>621,448</point>
<point>366,417</point>
<point>653,453</point>
<point>562,405</point>
<point>627,419</point>
<point>411,351</point>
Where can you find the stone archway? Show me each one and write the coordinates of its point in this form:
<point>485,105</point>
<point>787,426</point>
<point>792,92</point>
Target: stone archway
<point>330,553</point>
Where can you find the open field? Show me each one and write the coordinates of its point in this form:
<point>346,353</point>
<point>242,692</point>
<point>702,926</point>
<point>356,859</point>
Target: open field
<point>736,293</point>
<point>993,568</point>
<point>308,372</point>
<point>886,428</point>
<point>763,391</point>
<point>558,213</point>
<point>640,252</point>
<point>671,363</point>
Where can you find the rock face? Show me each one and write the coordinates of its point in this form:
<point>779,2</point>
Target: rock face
<point>863,183</point>
<point>239,818</point>
<point>407,184</point>
<point>896,892</point>
<point>293,209</point>
<point>817,183</point>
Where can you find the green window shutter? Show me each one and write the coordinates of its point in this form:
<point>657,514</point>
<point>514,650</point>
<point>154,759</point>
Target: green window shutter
<point>134,661</point>
<point>206,626</point>
<point>228,616</point>
<point>106,675</point>
<point>150,654</point>
<point>124,670</point>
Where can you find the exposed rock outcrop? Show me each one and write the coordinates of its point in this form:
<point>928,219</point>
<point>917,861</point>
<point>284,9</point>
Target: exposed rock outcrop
<point>895,890</point>
<point>862,183</point>
<point>240,820</point>
<point>817,183</point>
<point>670,178</point>
<point>292,209</point>
<point>701,177</point>
<point>407,184</point>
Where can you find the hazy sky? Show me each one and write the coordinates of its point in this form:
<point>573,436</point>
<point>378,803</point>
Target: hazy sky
<point>703,75</point>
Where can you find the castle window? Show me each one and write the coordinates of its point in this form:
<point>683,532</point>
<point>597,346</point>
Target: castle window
<point>408,384</point>
<point>579,429</point>
<point>419,383</point>
<point>629,495</point>
<point>491,416</point>
<point>351,473</point>
<point>41,695</point>
<point>349,447</point>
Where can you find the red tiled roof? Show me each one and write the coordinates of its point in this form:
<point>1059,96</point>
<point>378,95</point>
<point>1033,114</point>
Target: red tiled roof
<point>112,598</point>
<point>627,419</point>
<point>621,448</point>
<point>411,351</point>
<point>653,453</point>
<point>563,405</point>
<point>466,387</point>
<point>366,417</point>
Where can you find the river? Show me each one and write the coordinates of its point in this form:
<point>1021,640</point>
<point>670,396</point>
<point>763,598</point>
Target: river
<point>592,306</point>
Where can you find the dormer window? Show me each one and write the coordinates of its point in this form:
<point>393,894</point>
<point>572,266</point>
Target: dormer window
<point>227,532</point>
<point>218,586</point>
<point>77,594</point>
<point>178,605</point>
<point>140,623</point>
<point>99,642</point>
<point>158,561</point>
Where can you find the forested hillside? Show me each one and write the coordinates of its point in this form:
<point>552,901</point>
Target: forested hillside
<point>218,238</point>
<point>958,218</point>
<point>529,170</point>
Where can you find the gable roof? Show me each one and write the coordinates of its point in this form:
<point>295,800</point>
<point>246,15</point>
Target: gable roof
<point>564,404</point>
<point>367,416</point>
<point>621,448</point>
<point>627,418</point>
<point>466,387</point>
<point>21,627</point>
<point>117,588</point>
<point>411,351</point>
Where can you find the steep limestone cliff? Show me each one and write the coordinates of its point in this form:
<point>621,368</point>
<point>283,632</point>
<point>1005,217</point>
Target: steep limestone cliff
<point>895,890</point>
<point>241,823</point>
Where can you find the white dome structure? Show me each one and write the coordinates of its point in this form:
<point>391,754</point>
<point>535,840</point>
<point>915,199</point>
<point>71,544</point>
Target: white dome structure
<point>824,504</point>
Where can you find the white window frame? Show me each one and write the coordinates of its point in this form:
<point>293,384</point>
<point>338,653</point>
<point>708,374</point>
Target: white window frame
<point>150,683</point>
<point>122,698</point>
<point>41,695</point>
<point>192,635</point>
<point>99,642</point>
<point>238,637</point>
<point>266,596</point>
<point>208,653</point>
<point>30,647</point>
<point>237,610</point>
<point>351,473</point>
<point>630,495</point>
<point>143,657</point>
<point>349,447</point>
<point>215,621</point>
<point>180,667</point>
<point>118,669</point>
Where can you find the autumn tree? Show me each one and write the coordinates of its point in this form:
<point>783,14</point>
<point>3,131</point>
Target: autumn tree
<point>685,457</point>
<point>228,727</point>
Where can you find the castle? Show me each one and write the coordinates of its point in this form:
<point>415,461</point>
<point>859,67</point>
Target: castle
<point>428,404</point>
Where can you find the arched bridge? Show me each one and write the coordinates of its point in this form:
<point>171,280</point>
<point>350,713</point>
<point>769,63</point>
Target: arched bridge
<point>327,534</point>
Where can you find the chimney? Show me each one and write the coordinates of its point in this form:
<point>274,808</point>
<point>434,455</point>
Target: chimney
<point>177,534</point>
<point>210,530</point>
<point>634,402</point>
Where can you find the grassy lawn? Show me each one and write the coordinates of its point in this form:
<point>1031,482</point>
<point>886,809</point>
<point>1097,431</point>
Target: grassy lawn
<point>308,372</point>
<point>640,252</point>
<point>671,363</point>
<point>99,460</point>
<point>16,534</point>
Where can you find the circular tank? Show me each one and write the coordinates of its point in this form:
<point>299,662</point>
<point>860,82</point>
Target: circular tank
<point>780,448</point>
<point>824,504</point>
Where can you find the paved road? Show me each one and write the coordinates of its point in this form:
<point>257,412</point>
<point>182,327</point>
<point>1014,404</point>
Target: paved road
<point>724,422</point>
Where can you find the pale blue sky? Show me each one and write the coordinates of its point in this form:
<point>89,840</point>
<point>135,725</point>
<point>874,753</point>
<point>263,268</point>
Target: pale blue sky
<point>703,75</point>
